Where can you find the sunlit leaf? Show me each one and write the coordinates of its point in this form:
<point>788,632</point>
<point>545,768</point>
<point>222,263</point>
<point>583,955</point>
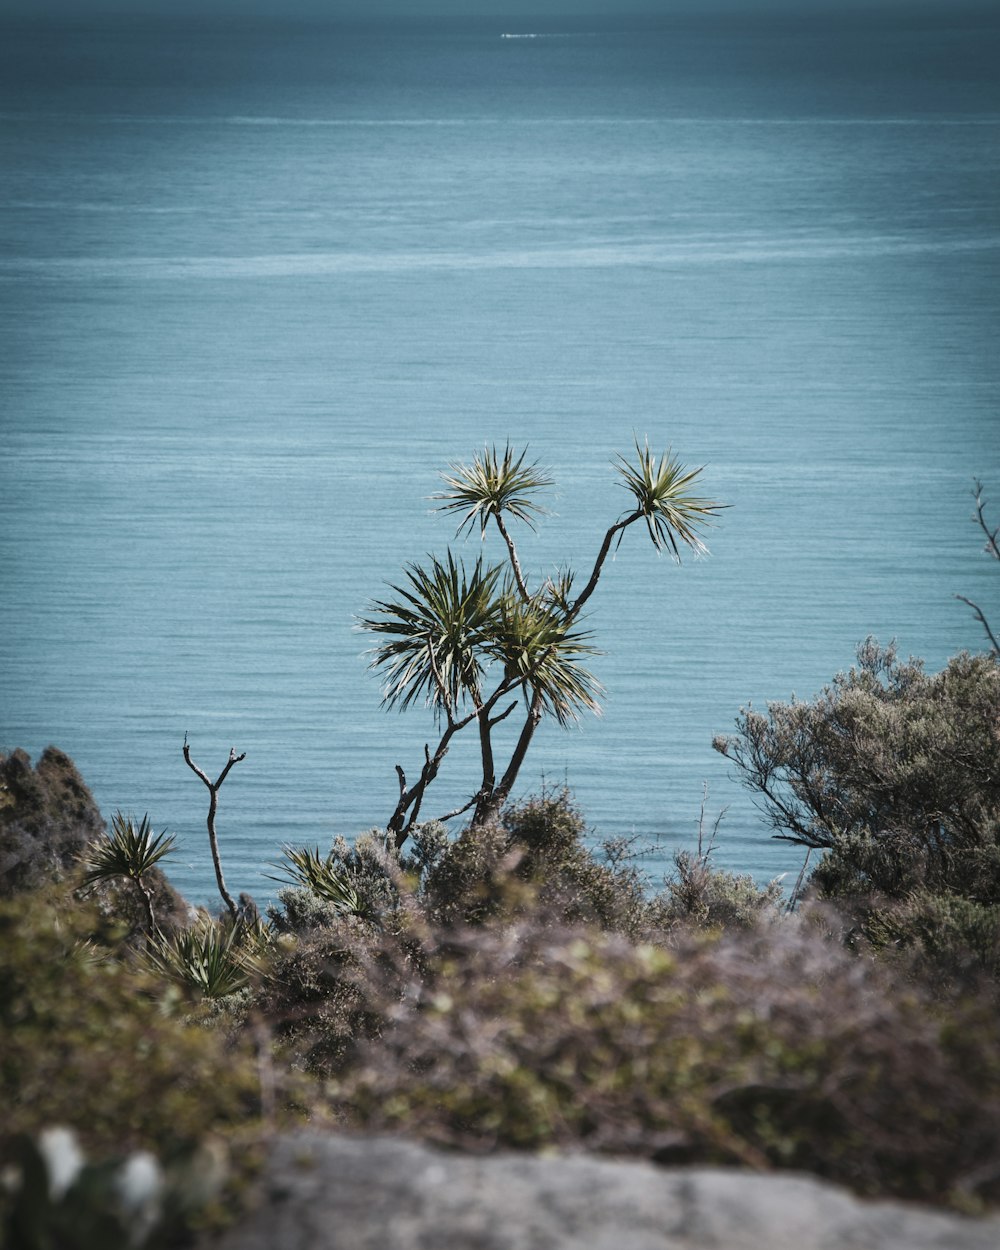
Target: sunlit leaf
<point>437,628</point>
<point>662,491</point>
<point>129,850</point>
<point>492,484</point>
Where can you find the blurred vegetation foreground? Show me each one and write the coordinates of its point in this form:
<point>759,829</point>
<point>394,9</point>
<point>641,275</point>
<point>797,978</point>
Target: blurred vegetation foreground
<point>523,985</point>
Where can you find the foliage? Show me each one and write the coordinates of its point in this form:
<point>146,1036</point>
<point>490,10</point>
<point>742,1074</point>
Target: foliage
<point>298,911</point>
<point>492,485</point>
<point>129,851</point>
<point>663,498</point>
<point>211,959</point>
<point>948,938</point>
<point>773,1050</point>
<point>97,1045</point>
<point>699,893</point>
<point>48,817</point>
<point>534,854</point>
<point>322,876</point>
<point>895,774</point>
<point>473,642</point>
<point>318,1001</point>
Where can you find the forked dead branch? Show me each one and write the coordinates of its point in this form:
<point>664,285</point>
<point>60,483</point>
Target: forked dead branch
<point>213,789</point>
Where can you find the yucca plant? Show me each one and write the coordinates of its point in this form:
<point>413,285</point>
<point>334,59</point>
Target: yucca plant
<point>540,650</point>
<point>490,486</point>
<point>211,959</point>
<point>324,877</point>
<point>474,644</point>
<point>662,491</point>
<point>129,851</point>
<point>438,626</point>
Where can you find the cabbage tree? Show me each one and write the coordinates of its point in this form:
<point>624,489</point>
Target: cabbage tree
<point>476,643</point>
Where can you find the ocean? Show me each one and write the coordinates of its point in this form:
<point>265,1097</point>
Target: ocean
<point>260,282</point>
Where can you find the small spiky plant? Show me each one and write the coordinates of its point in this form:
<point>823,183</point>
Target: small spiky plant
<point>129,851</point>
<point>211,959</point>
<point>661,487</point>
<point>309,870</point>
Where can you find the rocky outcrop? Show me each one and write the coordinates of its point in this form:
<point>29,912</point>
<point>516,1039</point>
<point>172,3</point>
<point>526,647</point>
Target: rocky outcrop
<point>367,1193</point>
<point>47,819</point>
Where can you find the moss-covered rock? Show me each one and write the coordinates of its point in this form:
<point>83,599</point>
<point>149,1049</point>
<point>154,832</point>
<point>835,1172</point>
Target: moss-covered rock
<point>47,819</point>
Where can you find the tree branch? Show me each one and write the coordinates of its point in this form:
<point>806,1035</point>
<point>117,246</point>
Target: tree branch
<point>459,810</point>
<point>504,714</point>
<point>992,536</point>
<point>514,562</point>
<point>213,841</point>
<point>602,555</point>
<point>984,622</point>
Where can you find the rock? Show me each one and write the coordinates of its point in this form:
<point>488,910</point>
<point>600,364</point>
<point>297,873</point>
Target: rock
<point>341,1192</point>
<point>47,819</point>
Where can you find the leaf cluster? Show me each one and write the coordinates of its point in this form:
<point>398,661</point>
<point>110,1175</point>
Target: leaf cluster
<point>894,774</point>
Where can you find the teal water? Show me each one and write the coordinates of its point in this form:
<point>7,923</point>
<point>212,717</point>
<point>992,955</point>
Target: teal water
<point>259,283</point>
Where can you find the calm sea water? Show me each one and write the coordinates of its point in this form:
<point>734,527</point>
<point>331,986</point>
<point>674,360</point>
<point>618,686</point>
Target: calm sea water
<point>259,283</point>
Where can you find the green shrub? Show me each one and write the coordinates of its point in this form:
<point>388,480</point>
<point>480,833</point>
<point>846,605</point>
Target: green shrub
<point>943,933</point>
<point>701,894</point>
<point>534,853</point>
<point>96,1045</point>
<point>319,1000</point>
<point>894,774</point>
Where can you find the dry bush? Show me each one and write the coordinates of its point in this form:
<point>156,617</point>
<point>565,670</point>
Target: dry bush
<point>534,857</point>
<point>775,1049</point>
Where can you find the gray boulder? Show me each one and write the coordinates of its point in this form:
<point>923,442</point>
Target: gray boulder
<point>369,1193</point>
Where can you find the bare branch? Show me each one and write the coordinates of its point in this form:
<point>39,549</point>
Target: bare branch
<point>602,555</point>
<point>984,622</point>
<point>503,715</point>
<point>992,536</point>
<point>213,841</point>
<point>459,810</point>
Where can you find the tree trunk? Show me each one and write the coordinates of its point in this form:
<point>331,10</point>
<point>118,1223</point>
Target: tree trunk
<point>492,804</point>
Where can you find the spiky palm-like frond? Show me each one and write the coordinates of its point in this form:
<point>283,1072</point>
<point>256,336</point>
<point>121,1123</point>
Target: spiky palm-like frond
<point>129,850</point>
<point>492,484</point>
<point>661,488</point>
<point>540,650</point>
<point>558,590</point>
<point>437,628</point>
<point>308,869</point>
<point>211,959</point>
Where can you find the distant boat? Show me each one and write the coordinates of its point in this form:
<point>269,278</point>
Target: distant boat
<point>519,36</point>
